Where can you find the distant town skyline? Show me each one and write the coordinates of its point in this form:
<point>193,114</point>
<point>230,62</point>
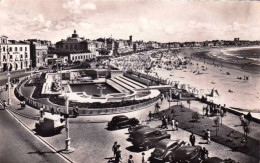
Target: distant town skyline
<point>148,20</point>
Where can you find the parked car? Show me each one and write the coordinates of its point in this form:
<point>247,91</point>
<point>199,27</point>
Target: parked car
<point>148,137</point>
<point>133,129</point>
<point>213,160</point>
<point>50,125</point>
<point>122,121</point>
<point>187,153</point>
<point>164,150</point>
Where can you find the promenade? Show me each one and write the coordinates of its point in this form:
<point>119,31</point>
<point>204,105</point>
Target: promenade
<point>82,138</point>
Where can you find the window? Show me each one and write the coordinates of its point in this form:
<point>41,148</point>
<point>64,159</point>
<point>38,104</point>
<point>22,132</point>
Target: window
<point>15,49</point>
<point>25,48</point>
<point>26,55</point>
<point>4,57</point>
<point>38,61</point>
<point>72,58</point>
<point>21,48</point>
<point>4,49</point>
<point>10,49</point>
<point>11,56</point>
<point>21,56</point>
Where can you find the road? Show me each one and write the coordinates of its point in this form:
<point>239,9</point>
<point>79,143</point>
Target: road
<point>13,75</point>
<point>18,145</point>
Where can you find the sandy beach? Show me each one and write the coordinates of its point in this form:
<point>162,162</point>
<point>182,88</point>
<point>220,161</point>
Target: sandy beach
<point>243,94</point>
<point>214,73</point>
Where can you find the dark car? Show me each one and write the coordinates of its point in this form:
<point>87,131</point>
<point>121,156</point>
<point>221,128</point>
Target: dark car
<point>213,160</point>
<point>122,121</point>
<point>164,149</point>
<point>187,153</point>
<point>133,129</point>
<point>148,137</point>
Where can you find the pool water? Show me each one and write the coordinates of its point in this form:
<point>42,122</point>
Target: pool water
<point>92,88</point>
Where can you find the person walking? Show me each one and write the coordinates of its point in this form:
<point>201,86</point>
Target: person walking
<point>4,104</point>
<point>130,160</point>
<point>42,113</point>
<point>114,148</point>
<point>118,157</point>
<point>150,116</point>
<point>173,125</point>
<point>204,153</point>
<point>192,139</point>
<point>23,105</point>
<point>207,111</point>
<point>76,111</point>
<point>52,111</point>
<point>176,125</point>
<point>208,136</point>
<point>164,122</point>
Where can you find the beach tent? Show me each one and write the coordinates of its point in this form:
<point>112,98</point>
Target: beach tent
<point>214,93</point>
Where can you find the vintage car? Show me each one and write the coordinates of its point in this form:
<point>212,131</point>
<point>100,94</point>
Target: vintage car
<point>213,160</point>
<point>133,129</point>
<point>148,138</point>
<point>49,125</point>
<point>164,150</point>
<point>186,153</point>
<point>122,121</point>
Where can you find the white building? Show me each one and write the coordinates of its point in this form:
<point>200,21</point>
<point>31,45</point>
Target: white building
<point>81,56</point>
<point>17,53</point>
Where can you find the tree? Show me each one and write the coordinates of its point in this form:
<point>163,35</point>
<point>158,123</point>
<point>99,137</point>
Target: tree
<point>217,121</point>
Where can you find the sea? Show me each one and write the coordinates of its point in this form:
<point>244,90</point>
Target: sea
<point>249,55</point>
<point>243,58</point>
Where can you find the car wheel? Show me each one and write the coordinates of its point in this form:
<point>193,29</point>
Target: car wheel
<point>146,147</point>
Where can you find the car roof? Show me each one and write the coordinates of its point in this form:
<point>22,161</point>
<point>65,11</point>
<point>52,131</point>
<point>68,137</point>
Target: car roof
<point>213,160</point>
<point>146,130</point>
<point>166,142</point>
<point>120,116</point>
<point>187,149</point>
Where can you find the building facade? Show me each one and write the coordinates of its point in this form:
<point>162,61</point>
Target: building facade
<point>15,54</point>
<point>39,52</point>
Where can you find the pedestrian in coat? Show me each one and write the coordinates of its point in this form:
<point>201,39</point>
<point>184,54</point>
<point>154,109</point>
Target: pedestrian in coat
<point>208,136</point>
<point>192,139</point>
<point>23,105</point>
<point>207,111</point>
<point>114,148</point>
<point>150,116</point>
<point>118,158</point>
<point>173,125</point>
<point>41,112</point>
<point>176,125</point>
<point>130,160</point>
<point>5,104</point>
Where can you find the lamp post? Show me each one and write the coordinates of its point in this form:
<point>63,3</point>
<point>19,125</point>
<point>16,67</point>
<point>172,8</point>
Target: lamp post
<point>8,76</point>
<point>169,97</point>
<point>67,149</point>
<point>61,77</point>
<point>31,67</point>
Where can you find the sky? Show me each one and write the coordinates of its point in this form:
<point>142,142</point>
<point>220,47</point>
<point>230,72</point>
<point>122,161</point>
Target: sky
<point>148,20</point>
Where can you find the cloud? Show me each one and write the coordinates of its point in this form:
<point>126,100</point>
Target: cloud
<point>77,7</point>
<point>40,24</point>
<point>89,6</point>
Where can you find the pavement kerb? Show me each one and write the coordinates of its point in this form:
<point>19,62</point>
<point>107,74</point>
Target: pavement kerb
<point>66,159</point>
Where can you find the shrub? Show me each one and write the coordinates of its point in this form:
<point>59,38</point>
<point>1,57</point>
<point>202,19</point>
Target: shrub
<point>195,116</point>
